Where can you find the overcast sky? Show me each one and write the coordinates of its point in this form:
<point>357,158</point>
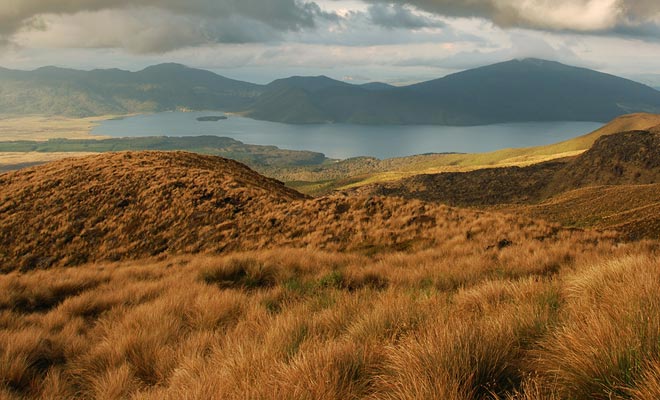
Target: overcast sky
<point>398,41</point>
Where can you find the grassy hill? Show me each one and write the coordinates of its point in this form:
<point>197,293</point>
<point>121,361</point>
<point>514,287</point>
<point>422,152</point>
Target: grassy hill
<point>622,158</point>
<point>612,185</point>
<point>195,277</point>
<point>633,210</point>
<point>78,210</point>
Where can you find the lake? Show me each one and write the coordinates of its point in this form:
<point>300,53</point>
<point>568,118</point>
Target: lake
<point>344,140</point>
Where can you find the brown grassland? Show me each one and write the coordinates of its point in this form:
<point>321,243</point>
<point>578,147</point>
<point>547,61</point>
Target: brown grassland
<point>179,276</point>
<point>42,127</point>
<point>536,320</point>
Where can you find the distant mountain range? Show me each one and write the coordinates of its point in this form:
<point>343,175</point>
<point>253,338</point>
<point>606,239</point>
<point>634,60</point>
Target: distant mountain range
<point>513,91</point>
<point>58,91</point>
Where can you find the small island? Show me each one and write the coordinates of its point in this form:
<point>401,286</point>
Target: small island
<point>211,118</point>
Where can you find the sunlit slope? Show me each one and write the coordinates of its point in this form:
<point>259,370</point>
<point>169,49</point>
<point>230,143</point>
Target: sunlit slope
<point>120,206</point>
<point>633,210</point>
<point>619,159</point>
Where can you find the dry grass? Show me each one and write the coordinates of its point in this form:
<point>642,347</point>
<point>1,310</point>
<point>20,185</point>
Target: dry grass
<point>333,298</point>
<point>633,210</point>
<point>564,319</point>
<point>132,205</point>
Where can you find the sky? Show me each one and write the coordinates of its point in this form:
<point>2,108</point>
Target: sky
<point>393,41</point>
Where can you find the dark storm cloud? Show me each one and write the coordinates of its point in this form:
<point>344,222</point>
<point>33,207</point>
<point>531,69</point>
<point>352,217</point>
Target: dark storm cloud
<point>203,20</point>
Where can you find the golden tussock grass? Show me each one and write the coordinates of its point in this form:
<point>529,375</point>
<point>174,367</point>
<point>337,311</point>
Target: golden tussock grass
<point>632,210</point>
<point>192,277</point>
<point>126,206</point>
<point>571,318</point>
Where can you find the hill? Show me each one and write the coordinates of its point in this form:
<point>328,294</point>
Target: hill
<point>122,205</point>
<point>118,206</point>
<point>67,92</point>
<point>612,185</point>
<point>513,91</point>
<point>619,159</point>
<point>623,158</point>
<point>340,297</point>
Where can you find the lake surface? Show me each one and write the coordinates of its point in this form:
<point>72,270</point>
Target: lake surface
<point>344,140</point>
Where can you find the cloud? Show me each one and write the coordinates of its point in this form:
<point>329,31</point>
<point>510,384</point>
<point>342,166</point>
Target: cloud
<point>398,16</point>
<point>523,44</point>
<point>165,24</point>
<point>589,16</point>
<point>143,31</point>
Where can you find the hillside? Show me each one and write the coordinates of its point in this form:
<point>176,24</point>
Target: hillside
<point>617,159</point>
<point>120,206</point>
<point>633,210</point>
<point>195,277</point>
<point>124,205</point>
<point>623,158</point>
<point>513,91</point>
<point>481,187</point>
<point>58,91</point>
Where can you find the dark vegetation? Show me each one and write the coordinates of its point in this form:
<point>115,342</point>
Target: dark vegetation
<point>253,155</point>
<point>211,118</point>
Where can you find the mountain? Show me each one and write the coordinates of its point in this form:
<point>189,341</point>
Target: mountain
<point>377,86</point>
<point>292,100</point>
<point>59,91</point>
<point>513,91</point>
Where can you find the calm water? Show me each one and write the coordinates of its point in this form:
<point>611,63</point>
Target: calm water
<point>343,140</point>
